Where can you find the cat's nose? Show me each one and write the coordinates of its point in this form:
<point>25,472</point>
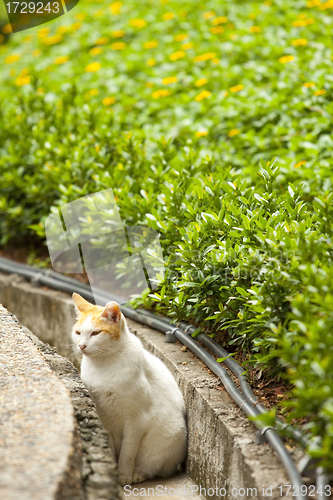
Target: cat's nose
<point>82,346</point>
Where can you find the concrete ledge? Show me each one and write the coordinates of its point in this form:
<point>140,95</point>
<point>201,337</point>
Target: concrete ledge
<point>36,416</point>
<point>222,452</point>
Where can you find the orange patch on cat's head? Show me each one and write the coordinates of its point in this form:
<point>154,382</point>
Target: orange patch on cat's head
<point>108,319</point>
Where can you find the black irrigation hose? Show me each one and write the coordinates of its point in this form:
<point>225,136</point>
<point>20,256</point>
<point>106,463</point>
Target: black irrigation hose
<point>246,401</point>
<point>237,370</point>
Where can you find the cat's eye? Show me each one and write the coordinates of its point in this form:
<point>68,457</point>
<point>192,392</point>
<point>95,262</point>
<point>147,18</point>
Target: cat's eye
<point>78,333</point>
<point>96,332</point>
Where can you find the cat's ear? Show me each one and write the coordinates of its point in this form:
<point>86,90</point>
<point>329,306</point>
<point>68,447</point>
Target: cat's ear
<point>81,304</point>
<point>112,312</point>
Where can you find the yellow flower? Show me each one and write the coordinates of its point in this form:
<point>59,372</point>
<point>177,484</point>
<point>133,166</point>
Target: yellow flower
<point>187,46</point>
<point>7,29</point>
<point>75,27</point>
<point>43,32</point>
<point>215,60</point>
<point>303,22</point>
<point>233,132</point>
<point>203,95</point>
<point>309,84</point>
<point>24,72</point>
<point>237,88</point>
<point>326,5</point>
<point>150,84</point>
<point>93,92</point>
<point>27,39</point>
<point>52,40</point>
<point>217,30</point>
<point>115,8</point>
<point>169,79</point>
<point>138,23</point>
<point>205,57</point>
<point>93,67</point>
<point>150,45</point>
<point>300,41</point>
<point>151,62</point>
<point>62,30</point>
<point>13,58</point>
<point>1,38</point>
<point>36,53</point>
<point>107,101</point>
<point>255,29</point>
<point>320,92</point>
<point>313,3</point>
<point>61,60</point>
<point>22,80</point>
<point>177,55</point>
<point>201,134</point>
<point>160,93</point>
<point>80,16</point>
<point>200,82</point>
<point>300,163</point>
<point>209,15</point>
<point>286,59</point>
<point>118,33</point>
<point>219,20</point>
<point>118,46</point>
<point>168,16</point>
<point>180,38</point>
<point>95,51</point>
<point>102,41</point>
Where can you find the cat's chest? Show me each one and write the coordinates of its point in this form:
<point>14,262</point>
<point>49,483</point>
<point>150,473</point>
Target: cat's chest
<point>108,384</point>
<point>110,402</point>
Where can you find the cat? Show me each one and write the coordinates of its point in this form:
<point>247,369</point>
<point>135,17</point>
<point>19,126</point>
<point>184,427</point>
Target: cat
<point>136,396</point>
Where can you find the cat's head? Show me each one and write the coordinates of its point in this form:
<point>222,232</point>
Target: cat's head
<point>97,329</point>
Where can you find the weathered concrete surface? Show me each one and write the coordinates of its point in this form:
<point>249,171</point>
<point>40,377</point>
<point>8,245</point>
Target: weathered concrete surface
<point>221,452</point>
<point>40,452</point>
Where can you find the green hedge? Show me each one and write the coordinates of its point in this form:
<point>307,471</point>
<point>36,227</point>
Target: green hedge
<point>248,248</point>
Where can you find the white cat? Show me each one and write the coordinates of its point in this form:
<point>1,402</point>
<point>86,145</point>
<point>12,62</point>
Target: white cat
<point>137,398</point>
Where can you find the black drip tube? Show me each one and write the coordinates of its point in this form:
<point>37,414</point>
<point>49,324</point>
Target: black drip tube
<point>246,399</point>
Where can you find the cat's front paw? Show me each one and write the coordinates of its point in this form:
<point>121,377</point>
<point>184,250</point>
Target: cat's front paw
<point>125,479</point>
<point>139,477</point>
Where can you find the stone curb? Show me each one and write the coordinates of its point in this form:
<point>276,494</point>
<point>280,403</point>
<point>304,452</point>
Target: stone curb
<point>36,416</point>
<point>222,450</point>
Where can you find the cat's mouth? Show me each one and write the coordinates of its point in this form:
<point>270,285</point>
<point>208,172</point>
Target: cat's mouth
<point>85,352</point>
